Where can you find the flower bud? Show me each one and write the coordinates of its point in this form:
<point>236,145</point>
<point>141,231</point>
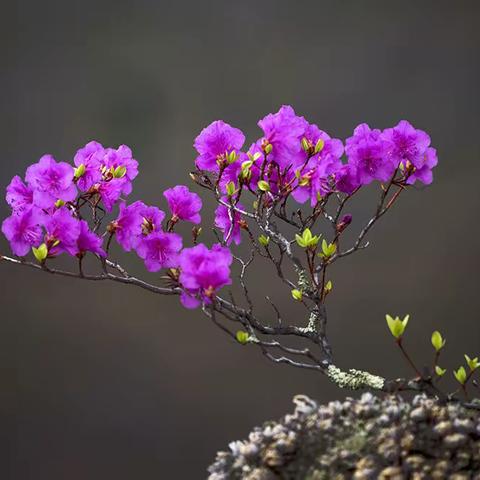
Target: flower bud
<point>344,222</point>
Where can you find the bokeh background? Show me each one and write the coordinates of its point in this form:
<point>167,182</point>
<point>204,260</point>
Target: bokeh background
<point>106,381</point>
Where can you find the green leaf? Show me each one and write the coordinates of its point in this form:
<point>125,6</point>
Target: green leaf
<point>232,156</point>
<point>319,145</point>
<point>328,249</point>
<point>263,186</point>
<point>80,171</point>
<point>437,341</point>
<point>242,337</point>
<point>120,171</point>
<point>300,241</point>
<point>297,294</point>
<point>40,253</point>
<point>263,240</point>
<point>230,187</point>
<point>440,371</point>
<point>305,144</point>
<point>59,203</point>
<point>460,375</point>
<point>307,240</point>
<point>268,148</point>
<point>328,286</point>
<point>472,363</point>
<point>397,327</point>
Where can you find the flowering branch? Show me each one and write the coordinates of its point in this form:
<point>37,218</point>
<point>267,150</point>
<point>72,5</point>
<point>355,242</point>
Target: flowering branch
<point>294,177</point>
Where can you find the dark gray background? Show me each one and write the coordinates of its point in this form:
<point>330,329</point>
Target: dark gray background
<point>108,382</point>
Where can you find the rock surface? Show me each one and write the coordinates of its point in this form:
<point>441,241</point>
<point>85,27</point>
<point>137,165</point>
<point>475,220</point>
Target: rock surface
<point>368,438</point>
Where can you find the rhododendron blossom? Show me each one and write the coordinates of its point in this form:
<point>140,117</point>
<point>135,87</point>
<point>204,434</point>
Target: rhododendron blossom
<point>293,165</point>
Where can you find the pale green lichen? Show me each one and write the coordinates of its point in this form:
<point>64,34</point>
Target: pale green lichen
<point>313,320</point>
<point>354,379</point>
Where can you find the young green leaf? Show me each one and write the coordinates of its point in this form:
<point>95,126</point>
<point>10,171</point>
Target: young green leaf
<point>263,240</point>
<point>40,253</point>
<point>120,172</point>
<point>263,186</point>
<point>328,286</point>
<point>472,363</point>
<point>440,371</point>
<point>242,337</point>
<point>230,187</point>
<point>397,327</point>
<point>305,144</point>
<point>307,240</point>
<point>268,148</point>
<point>297,295</point>
<point>328,249</point>
<point>437,341</point>
<point>80,171</point>
<point>319,145</point>
<point>232,156</point>
<point>460,375</point>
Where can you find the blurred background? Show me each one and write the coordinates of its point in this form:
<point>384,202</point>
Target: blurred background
<point>106,381</point>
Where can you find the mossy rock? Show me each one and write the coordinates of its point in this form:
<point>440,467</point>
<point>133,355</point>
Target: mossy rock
<point>363,439</point>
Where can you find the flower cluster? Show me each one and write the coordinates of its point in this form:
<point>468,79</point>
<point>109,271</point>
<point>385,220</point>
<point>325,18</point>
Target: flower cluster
<point>47,218</point>
<point>293,158</point>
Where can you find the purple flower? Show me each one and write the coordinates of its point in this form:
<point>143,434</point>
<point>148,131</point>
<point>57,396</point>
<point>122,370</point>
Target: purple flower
<point>283,131</point>
<point>223,221</point>
<point>63,231</point>
<point>203,272</point>
<point>369,153</point>
<point>424,173</point>
<point>183,204</point>
<point>90,157</point>
<point>128,225</point>
<point>51,181</point>
<point>110,192</point>
<point>23,231</point>
<point>215,143</point>
<point>332,146</point>
<point>160,250</point>
<point>408,144</point>
<point>19,195</point>
<point>316,179</point>
<point>346,179</point>
<point>88,241</point>
<point>136,221</point>
<point>121,157</point>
